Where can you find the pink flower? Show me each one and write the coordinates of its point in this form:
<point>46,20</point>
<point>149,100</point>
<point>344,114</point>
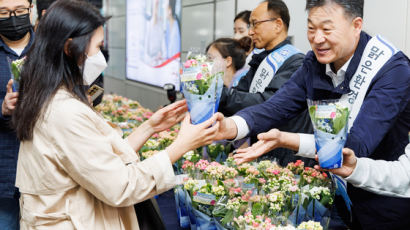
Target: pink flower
<point>245,198</point>
<point>333,115</point>
<point>187,164</point>
<point>199,76</point>
<point>213,202</point>
<point>262,181</point>
<point>187,64</point>
<point>147,115</point>
<point>273,171</point>
<point>202,164</point>
<point>255,224</point>
<point>293,188</point>
<point>155,135</point>
<point>214,163</point>
<point>138,119</point>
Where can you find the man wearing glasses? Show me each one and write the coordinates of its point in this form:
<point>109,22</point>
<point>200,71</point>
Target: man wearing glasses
<point>366,72</point>
<point>269,70</point>
<point>16,36</point>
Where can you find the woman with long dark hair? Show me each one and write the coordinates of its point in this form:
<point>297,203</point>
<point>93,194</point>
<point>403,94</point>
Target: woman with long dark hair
<point>74,171</point>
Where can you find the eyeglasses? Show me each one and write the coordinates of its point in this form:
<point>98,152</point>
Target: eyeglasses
<point>254,24</point>
<point>5,14</point>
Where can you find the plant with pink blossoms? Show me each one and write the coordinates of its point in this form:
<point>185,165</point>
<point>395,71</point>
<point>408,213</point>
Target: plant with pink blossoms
<point>188,167</point>
<point>202,164</point>
<point>296,167</point>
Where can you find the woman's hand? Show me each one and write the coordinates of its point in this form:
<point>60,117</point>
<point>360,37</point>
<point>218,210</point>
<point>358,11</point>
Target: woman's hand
<point>349,164</point>
<point>168,116</point>
<point>193,136</point>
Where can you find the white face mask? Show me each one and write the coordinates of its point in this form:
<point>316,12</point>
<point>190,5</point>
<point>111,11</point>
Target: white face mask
<point>238,36</point>
<point>93,67</point>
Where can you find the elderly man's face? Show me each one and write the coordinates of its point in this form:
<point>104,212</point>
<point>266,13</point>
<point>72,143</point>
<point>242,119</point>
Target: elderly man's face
<point>263,29</point>
<point>332,34</point>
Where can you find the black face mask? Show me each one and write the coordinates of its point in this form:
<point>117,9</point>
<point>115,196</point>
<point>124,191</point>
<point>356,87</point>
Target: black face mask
<point>15,27</point>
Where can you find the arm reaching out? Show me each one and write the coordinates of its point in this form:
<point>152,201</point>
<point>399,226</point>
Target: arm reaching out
<point>267,142</point>
<point>161,120</point>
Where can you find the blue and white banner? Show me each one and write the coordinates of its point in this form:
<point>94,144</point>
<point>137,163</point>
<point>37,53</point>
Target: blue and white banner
<point>269,66</point>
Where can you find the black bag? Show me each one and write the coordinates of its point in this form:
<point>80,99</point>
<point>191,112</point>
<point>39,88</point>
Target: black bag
<point>149,215</point>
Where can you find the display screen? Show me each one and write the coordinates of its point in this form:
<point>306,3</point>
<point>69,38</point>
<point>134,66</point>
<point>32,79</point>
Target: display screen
<point>154,41</point>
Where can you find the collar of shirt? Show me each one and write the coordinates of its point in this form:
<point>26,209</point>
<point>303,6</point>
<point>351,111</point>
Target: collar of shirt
<point>323,83</point>
<point>258,58</point>
<point>337,78</point>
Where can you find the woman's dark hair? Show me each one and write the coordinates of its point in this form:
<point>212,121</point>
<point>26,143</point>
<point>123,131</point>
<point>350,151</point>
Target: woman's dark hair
<point>48,67</point>
<point>43,5</point>
<point>280,9</point>
<point>173,5</point>
<point>236,49</point>
<point>244,16</point>
<point>353,8</point>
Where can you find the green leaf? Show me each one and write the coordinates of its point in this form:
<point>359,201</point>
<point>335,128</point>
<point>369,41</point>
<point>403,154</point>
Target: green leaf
<point>341,119</point>
<point>242,208</point>
<point>325,201</point>
<point>257,209</point>
<point>312,112</point>
<point>228,217</point>
<point>220,183</point>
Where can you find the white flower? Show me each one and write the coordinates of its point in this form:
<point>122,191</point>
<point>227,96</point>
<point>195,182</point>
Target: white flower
<point>310,225</point>
<point>288,227</point>
<point>152,143</point>
<point>233,204</point>
<point>189,155</point>
<point>276,201</point>
<point>149,154</point>
<point>318,192</point>
<point>190,184</point>
<point>218,190</point>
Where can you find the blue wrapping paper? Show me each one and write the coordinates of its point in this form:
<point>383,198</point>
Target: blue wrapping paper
<point>329,148</point>
<point>182,212</point>
<point>202,107</point>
